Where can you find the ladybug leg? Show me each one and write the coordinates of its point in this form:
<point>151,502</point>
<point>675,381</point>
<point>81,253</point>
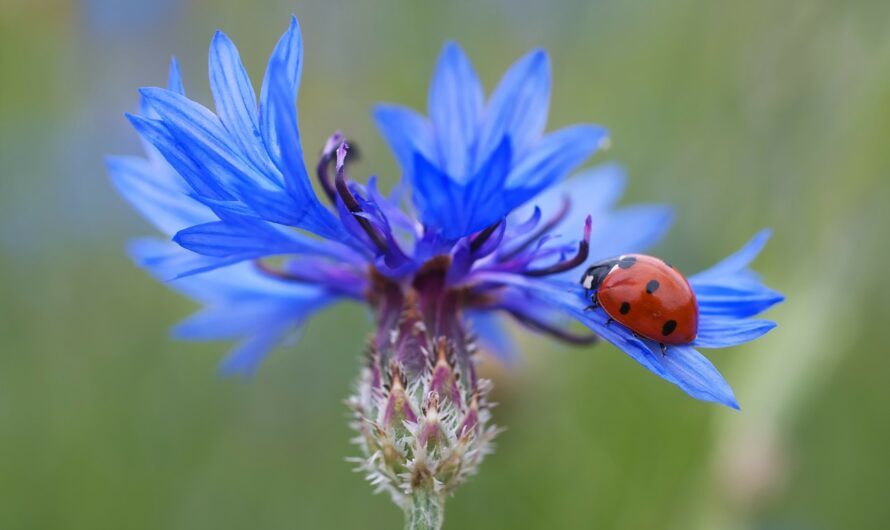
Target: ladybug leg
<point>610,321</point>
<point>636,335</point>
<point>664,348</point>
<point>594,304</point>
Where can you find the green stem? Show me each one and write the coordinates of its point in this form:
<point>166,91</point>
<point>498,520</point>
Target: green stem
<point>426,512</point>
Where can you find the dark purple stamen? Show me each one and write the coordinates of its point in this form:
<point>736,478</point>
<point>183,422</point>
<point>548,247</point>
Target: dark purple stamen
<point>483,236</point>
<point>322,170</point>
<point>543,230</point>
<point>569,264</point>
<point>352,204</point>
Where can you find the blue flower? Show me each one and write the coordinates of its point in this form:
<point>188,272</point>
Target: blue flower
<point>495,227</point>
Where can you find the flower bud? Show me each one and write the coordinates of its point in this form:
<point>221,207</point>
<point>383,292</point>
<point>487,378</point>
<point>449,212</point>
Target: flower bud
<point>421,411</point>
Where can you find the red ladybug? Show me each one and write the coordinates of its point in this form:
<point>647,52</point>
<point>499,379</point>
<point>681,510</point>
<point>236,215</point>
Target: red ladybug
<point>646,295</point>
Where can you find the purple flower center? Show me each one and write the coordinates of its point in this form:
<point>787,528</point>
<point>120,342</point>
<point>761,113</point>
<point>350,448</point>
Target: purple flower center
<point>413,276</point>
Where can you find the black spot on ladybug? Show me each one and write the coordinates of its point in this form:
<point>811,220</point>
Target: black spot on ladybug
<point>624,309</point>
<point>669,327</point>
<point>627,262</point>
<point>652,286</point>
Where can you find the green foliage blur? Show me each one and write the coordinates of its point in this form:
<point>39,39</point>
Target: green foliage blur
<point>743,115</point>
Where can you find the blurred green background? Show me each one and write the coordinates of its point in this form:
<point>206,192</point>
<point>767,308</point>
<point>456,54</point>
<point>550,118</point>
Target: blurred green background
<point>742,114</point>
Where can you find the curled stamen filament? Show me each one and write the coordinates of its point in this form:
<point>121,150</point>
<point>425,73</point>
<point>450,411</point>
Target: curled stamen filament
<point>327,155</point>
<point>483,236</point>
<point>352,204</point>
<point>579,258</point>
<point>551,223</point>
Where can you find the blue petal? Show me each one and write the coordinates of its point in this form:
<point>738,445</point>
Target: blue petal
<point>460,210</point>
<point>154,132</point>
<point>736,263</point>
<point>287,57</point>
<point>242,307</point>
<point>247,239</point>
<point>435,195</point>
<point>455,107</point>
<point>716,332</point>
<point>200,134</point>
<point>484,201</point>
<point>734,299</point>
<point>242,303</point>
<point>518,107</point>
<point>407,133</point>
<point>247,356</point>
<point>307,210</point>
<point>274,206</point>
<point>235,99</point>
<point>174,78</point>
<point>681,365</point>
<point>695,374</point>
<point>237,283</point>
<point>730,289</point>
<point>573,302</point>
<point>232,321</point>
<point>174,84</point>
<point>157,193</point>
<point>555,156</point>
<point>167,261</point>
<point>287,132</point>
<point>255,314</point>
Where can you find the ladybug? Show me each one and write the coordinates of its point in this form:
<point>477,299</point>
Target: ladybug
<point>646,295</point>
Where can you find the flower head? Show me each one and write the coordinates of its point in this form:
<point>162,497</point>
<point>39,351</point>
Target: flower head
<point>494,228</point>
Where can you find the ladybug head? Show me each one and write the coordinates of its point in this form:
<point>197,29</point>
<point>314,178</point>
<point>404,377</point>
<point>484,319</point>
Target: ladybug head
<point>596,273</point>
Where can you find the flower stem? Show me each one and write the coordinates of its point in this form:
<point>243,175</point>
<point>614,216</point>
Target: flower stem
<point>426,512</point>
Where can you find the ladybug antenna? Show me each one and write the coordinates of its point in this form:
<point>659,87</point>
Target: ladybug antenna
<point>579,258</point>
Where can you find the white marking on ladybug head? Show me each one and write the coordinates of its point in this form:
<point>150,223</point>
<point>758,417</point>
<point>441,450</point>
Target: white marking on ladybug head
<point>587,282</point>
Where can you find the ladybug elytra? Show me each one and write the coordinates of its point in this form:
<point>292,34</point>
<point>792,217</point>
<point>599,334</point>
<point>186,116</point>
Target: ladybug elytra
<point>646,295</point>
